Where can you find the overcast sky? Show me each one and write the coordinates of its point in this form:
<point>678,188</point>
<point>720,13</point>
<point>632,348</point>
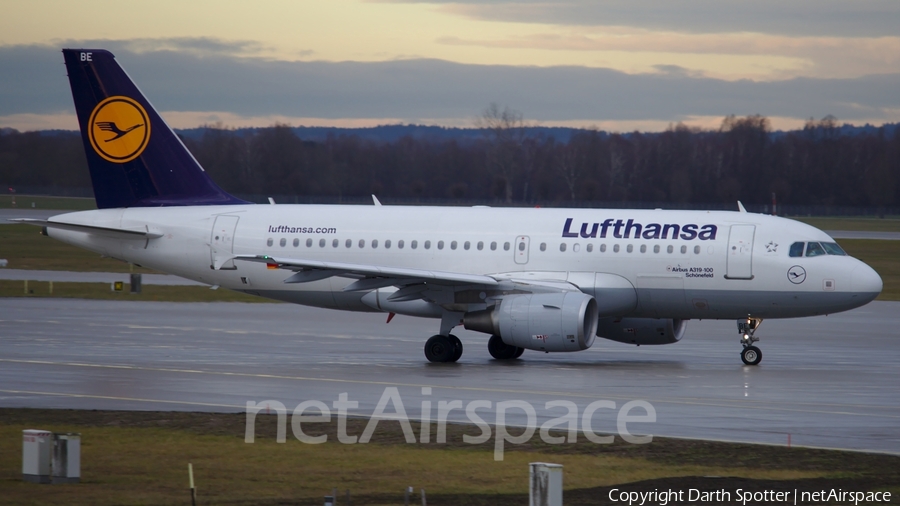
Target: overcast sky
<point>616,64</point>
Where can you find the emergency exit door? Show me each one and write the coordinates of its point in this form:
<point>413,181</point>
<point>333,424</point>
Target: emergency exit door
<point>521,251</point>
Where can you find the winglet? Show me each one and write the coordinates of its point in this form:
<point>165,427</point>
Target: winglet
<point>741,207</point>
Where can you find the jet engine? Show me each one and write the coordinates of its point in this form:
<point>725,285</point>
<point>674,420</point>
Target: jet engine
<point>641,330</point>
<point>565,321</point>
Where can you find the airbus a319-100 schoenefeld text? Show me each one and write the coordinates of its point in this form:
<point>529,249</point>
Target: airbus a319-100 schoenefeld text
<point>549,280</point>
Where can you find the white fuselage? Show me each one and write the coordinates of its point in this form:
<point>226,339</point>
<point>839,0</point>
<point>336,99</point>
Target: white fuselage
<point>703,265</point>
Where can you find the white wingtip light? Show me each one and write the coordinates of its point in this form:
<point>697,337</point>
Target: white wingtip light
<point>741,207</point>
<point>375,200</point>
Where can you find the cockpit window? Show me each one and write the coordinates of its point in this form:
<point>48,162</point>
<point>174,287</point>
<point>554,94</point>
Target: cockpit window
<point>833,249</point>
<point>797,249</point>
<point>814,249</point>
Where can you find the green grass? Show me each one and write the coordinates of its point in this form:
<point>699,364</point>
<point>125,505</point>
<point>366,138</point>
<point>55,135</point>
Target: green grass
<point>25,248</point>
<point>102,291</point>
<point>43,202</point>
<point>884,257</point>
<point>142,457</point>
<point>867,224</point>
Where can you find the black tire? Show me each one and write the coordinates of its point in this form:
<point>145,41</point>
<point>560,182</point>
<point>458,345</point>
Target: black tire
<point>439,349</point>
<point>751,355</point>
<point>500,350</point>
<point>519,352</point>
<point>457,348</point>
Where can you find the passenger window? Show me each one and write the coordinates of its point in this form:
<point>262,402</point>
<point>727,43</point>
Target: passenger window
<point>282,242</point>
<point>615,248</point>
<point>543,246</point>
<point>374,243</point>
<point>269,242</point>
<point>400,244</point>
<point>644,248</point>
<point>506,246</point>
<point>296,242</point>
<point>362,243</point>
<point>427,244</point>
<point>629,248</point>
<point>669,249</point>
<point>335,243</point>
<point>309,243</point>
<point>521,246</point>
<point>562,247</point>
<point>590,247</point>
<point>796,249</point>
<point>452,244</point>
<point>322,243</point>
<point>684,250</point>
<point>440,245</point>
<point>480,245</point>
<point>696,250</point>
<point>576,247</point>
<point>656,248</point>
<point>603,248</point>
<point>387,244</point>
<point>349,243</point>
<point>833,249</point>
<point>466,245</point>
<point>414,244</point>
<point>493,245</point>
<point>814,249</point>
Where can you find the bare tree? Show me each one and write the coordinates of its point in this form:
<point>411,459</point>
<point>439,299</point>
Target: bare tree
<point>506,133</point>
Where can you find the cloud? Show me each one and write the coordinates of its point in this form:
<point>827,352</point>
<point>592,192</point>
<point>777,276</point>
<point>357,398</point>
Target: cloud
<point>34,83</point>
<point>841,18</point>
<point>787,56</point>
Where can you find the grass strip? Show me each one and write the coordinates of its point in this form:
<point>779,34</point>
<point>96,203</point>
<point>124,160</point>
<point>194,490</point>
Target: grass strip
<point>142,457</point>
<point>102,291</point>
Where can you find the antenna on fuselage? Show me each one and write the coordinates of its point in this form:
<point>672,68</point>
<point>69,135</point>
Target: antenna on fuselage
<point>375,200</point>
<point>741,207</point>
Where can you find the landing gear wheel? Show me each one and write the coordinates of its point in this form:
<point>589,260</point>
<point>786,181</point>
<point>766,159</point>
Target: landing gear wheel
<point>751,355</point>
<point>457,348</point>
<point>439,349</point>
<point>500,350</point>
<point>519,352</point>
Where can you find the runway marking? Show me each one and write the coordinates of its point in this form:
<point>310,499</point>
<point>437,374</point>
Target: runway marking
<point>739,403</point>
<point>114,398</point>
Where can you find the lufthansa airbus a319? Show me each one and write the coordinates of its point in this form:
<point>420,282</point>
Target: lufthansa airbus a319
<point>549,280</point>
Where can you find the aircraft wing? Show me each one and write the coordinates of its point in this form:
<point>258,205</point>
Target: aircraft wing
<point>371,276</point>
<point>119,233</point>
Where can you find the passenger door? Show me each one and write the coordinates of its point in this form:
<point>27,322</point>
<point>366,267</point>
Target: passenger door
<point>740,252</point>
<point>221,242</point>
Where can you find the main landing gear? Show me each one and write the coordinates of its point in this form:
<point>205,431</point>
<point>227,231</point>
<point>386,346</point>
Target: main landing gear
<point>502,351</point>
<point>751,355</point>
<point>443,348</point>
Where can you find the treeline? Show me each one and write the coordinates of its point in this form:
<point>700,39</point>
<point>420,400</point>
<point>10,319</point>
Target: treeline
<point>742,160</point>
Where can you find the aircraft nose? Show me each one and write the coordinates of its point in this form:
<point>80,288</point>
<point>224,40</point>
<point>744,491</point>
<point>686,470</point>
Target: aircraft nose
<point>866,281</point>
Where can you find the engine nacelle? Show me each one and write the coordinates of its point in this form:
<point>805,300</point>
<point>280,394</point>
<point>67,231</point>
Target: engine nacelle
<point>565,321</point>
<point>641,330</point>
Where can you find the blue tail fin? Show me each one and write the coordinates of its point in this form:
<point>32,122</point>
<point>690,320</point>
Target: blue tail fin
<point>135,159</point>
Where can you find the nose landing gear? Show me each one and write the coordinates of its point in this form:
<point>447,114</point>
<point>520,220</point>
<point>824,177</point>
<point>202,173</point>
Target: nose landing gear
<point>750,355</point>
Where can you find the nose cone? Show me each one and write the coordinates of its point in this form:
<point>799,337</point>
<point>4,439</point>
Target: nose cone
<point>866,283</point>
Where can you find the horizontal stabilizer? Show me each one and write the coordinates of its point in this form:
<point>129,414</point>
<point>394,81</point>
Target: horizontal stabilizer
<point>118,233</point>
